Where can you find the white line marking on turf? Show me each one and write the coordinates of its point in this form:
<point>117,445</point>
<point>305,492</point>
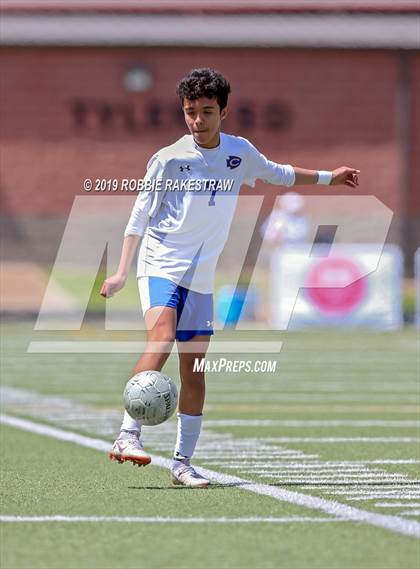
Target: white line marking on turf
<point>278,397</point>
<point>374,487</point>
<point>116,347</point>
<point>303,465</point>
<point>159,520</point>
<point>344,439</point>
<point>351,486</point>
<point>347,389</point>
<point>363,476</point>
<point>309,424</point>
<point>213,457</point>
<point>341,479</point>
<point>331,507</point>
<point>397,505</point>
<point>269,469</point>
<point>381,496</point>
<point>356,490</point>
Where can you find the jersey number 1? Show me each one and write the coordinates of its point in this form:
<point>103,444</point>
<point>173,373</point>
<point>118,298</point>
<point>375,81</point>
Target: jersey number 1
<point>212,200</point>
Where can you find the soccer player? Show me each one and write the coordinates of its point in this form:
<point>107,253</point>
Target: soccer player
<point>183,223</point>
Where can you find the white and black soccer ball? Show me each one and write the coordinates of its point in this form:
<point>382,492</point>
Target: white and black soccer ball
<point>150,397</point>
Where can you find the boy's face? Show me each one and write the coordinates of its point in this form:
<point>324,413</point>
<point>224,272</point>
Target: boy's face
<point>203,118</point>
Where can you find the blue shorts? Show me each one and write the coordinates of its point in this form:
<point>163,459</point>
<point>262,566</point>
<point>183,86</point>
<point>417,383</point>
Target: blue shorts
<point>194,310</point>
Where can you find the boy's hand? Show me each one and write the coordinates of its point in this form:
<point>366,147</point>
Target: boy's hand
<point>345,176</point>
<point>112,285</point>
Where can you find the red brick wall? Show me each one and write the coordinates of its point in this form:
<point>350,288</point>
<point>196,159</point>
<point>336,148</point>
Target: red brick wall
<point>342,110</point>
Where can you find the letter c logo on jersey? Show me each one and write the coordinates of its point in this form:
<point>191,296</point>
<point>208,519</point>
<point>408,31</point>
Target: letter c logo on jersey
<point>233,162</point>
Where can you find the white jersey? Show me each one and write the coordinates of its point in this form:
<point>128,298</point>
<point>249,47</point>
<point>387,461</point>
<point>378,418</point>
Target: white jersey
<point>185,221</point>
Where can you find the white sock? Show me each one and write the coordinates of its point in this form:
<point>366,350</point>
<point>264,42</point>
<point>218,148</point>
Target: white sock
<point>189,427</point>
<point>130,424</point>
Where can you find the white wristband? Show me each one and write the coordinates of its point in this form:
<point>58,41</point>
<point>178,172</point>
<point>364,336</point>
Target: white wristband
<point>324,177</point>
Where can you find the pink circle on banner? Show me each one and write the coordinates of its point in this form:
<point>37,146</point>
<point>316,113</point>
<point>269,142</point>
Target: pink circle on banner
<point>323,288</point>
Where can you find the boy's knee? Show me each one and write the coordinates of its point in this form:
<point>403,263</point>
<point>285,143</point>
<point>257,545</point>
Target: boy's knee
<point>162,333</point>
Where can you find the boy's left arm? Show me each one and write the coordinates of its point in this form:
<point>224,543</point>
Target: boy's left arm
<point>343,176</point>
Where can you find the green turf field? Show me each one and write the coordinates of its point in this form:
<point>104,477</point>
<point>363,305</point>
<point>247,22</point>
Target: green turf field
<point>331,438</point>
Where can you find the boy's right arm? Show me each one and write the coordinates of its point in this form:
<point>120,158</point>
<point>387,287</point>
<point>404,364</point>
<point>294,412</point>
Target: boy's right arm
<point>147,203</point>
<point>116,282</point>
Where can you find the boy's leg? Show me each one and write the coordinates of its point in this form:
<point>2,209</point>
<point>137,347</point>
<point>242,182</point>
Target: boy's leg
<point>193,389</point>
<point>191,401</point>
<point>161,326</point>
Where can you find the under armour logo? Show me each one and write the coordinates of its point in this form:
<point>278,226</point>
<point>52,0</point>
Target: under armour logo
<point>187,167</point>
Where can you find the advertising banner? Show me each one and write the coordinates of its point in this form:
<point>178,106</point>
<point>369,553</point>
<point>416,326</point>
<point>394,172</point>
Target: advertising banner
<point>336,290</point>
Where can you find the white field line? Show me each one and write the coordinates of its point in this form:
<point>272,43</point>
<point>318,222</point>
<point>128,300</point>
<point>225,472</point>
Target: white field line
<point>339,481</point>
<point>381,496</point>
<point>344,439</point>
<point>309,424</point>
<point>223,458</point>
<point>390,491</point>
<point>397,505</point>
<point>336,398</point>
<point>294,376</point>
<point>360,479</point>
<point>117,347</point>
<point>363,477</point>
<point>312,465</point>
<point>250,444</point>
<point>310,471</point>
<point>410,513</point>
<point>247,460</point>
<point>249,447</point>
<point>271,383</point>
<point>305,387</point>
<point>371,486</point>
<point>368,407</point>
<point>366,486</point>
<point>378,494</point>
<point>393,523</point>
<point>292,467</point>
<point>335,481</point>
<point>160,520</point>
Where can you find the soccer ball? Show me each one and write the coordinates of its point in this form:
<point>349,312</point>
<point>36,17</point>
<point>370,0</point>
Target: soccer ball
<point>150,397</point>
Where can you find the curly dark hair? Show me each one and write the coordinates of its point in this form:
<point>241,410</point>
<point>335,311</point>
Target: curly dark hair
<point>204,82</point>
